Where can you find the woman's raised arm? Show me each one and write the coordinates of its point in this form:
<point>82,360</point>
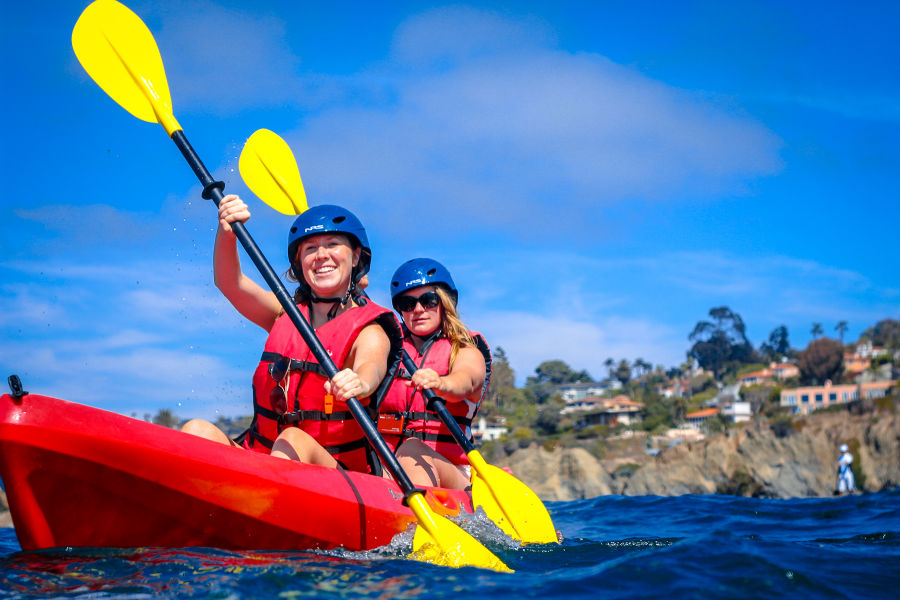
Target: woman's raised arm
<point>255,303</point>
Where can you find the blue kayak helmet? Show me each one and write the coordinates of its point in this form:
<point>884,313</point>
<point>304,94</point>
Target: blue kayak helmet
<point>328,218</point>
<point>418,272</point>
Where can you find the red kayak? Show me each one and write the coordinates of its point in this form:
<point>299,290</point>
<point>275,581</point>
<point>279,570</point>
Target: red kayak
<point>81,476</point>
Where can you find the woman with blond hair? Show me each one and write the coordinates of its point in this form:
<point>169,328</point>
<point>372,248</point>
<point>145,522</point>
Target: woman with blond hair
<point>451,360</point>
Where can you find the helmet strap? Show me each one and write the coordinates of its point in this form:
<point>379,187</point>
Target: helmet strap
<point>425,341</point>
<point>337,303</point>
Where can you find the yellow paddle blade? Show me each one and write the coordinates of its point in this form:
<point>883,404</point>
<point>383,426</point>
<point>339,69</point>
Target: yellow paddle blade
<point>509,503</point>
<point>119,53</point>
<point>441,542</point>
<point>268,167</point>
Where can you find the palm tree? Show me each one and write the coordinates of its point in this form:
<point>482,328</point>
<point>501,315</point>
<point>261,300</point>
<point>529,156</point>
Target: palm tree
<point>638,367</point>
<point>816,330</point>
<point>841,327</point>
<point>610,364</point>
<point>623,371</point>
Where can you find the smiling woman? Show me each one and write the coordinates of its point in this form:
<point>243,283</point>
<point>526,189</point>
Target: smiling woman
<point>299,413</point>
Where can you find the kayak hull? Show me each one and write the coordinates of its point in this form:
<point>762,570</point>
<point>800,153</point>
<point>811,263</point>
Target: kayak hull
<point>80,476</point>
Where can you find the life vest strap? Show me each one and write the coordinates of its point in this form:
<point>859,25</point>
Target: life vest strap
<point>296,365</point>
<point>348,447</point>
<point>427,416</point>
<point>429,437</point>
<point>265,412</point>
<point>256,437</point>
<point>298,416</point>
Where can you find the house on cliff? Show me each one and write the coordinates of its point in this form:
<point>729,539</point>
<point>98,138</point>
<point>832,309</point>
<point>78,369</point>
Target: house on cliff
<point>573,392</point>
<point>594,410</point>
<point>485,431</point>
<point>699,419</point>
<point>775,371</point>
<point>804,400</point>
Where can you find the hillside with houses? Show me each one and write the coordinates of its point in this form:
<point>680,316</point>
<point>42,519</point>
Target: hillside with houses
<point>726,385</point>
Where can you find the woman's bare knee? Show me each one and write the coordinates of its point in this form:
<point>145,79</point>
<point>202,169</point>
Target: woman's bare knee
<point>206,430</point>
<point>290,445</point>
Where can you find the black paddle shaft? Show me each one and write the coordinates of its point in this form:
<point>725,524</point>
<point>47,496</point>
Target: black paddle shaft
<point>437,404</point>
<point>213,190</point>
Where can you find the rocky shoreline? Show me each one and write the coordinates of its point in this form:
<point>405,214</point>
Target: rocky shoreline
<point>788,459</point>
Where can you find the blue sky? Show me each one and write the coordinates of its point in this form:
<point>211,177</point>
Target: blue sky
<point>595,175</point>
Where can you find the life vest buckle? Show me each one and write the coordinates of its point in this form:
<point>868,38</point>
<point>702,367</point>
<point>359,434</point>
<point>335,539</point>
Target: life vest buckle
<point>290,418</point>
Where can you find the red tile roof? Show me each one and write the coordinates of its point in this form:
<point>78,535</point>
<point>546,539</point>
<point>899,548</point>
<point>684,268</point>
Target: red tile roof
<point>702,414</point>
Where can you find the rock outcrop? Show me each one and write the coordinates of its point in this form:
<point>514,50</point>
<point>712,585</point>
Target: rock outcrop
<point>5,518</point>
<point>786,460</point>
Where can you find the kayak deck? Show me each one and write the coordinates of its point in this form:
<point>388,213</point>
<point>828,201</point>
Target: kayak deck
<point>80,476</point>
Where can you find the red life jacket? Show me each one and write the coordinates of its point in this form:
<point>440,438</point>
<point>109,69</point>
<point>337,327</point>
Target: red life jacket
<point>329,421</point>
<point>403,413</point>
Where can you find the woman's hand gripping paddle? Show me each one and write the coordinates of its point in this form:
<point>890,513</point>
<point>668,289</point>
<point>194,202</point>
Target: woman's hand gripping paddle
<point>508,502</point>
<point>119,53</point>
<point>268,168</point>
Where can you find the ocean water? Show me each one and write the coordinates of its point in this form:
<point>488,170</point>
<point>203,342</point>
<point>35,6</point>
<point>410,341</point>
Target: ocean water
<point>614,547</point>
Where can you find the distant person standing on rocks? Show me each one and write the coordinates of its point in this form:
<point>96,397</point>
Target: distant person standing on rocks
<point>846,484</point>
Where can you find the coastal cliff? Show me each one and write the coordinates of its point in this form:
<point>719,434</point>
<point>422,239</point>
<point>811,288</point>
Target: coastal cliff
<point>788,459</point>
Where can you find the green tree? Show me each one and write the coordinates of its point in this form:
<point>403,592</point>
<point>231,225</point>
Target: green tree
<point>550,374</point>
<point>557,372</point>
<point>657,414</point>
<point>503,378</point>
<point>166,418</point>
<point>885,333</point>
<point>721,341</point>
<point>610,364</point>
<point>757,396</point>
<point>777,345</point>
<point>821,361</point>
<point>841,328</point>
<point>640,367</point>
<point>623,372</point>
<point>816,330</point>
<point>548,418</point>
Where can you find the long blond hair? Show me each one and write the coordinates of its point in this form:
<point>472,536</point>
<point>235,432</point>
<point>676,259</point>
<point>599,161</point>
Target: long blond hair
<point>452,326</point>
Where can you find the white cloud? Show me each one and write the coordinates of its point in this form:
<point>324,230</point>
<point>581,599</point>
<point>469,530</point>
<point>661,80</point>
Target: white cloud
<point>235,59</point>
<point>514,140</point>
<point>530,339</point>
<point>132,379</point>
<point>473,117</point>
<point>433,38</point>
<point>98,224</point>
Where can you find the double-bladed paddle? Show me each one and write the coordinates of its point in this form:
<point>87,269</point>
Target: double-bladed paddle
<point>119,53</point>
<point>269,169</point>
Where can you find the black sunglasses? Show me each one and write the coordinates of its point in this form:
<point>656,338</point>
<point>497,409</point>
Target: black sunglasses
<point>278,396</point>
<point>408,303</point>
